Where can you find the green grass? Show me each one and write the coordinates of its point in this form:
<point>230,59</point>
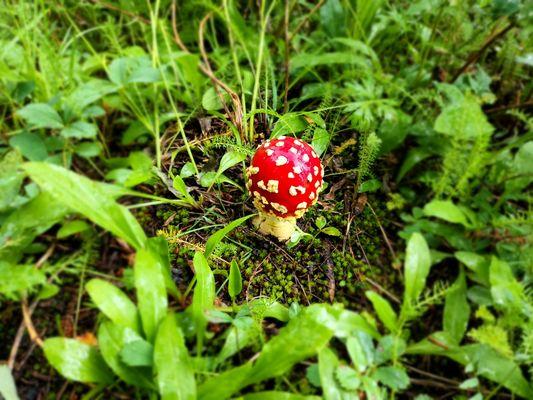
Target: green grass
<point>128,265</point>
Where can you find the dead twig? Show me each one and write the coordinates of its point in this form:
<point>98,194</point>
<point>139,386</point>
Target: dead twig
<point>26,316</point>
<point>385,237</point>
<point>474,57</point>
<point>237,115</point>
<point>177,37</point>
<point>510,107</point>
<point>307,16</point>
<point>206,69</point>
<point>121,11</point>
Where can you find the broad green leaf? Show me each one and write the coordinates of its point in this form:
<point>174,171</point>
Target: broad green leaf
<point>17,280</point>
<point>230,159</point>
<point>394,377</point>
<point>134,69</point>
<point>333,18</point>
<point>476,263</point>
<point>158,245</point>
<point>456,309</point>
<point>79,130</point>
<point>492,365</point>
<point>348,378</point>
<point>486,361</point>
<point>211,100</point>
<point>370,186</point>
<point>112,339</point>
<point>506,291</point>
<point>151,291</point>
<point>361,350</point>
<point>70,228</point>
<point>8,390</point>
<point>389,347</point>
<point>332,231</point>
<point>223,386</point>
<point>239,336</point>
<point>234,280</point>
<point>275,395</point>
<point>216,237</point>
<point>414,156</point>
<point>314,323</point>
<point>174,373</point>
<point>89,92</point>
<point>320,222</point>
<point>327,365</point>
<point>289,124</point>
<point>76,361</point>
<point>114,303</point>
<point>181,187</point>
<point>88,198</point>
<point>310,60</point>
<point>204,291</point>
<point>384,310</point>
<point>187,170</point>
<point>393,131</point>
<point>463,118</point>
<point>30,145</point>
<point>320,142</point>
<point>366,12</point>
<point>446,210</point>
<point>10,179</point>
<point>138,353</point>
<point>349,323</point>
<point>416,267</point>
<point>41,115</point>
<point>26,223</point>
<point>267,308</point>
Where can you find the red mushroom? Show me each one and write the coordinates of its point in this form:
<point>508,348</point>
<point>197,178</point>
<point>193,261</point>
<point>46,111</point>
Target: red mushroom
<point>284,179</point>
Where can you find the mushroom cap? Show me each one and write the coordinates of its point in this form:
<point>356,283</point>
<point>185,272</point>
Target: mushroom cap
<point>285,177</point>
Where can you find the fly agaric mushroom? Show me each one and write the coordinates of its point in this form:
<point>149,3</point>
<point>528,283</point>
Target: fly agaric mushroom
<point>284,179</point>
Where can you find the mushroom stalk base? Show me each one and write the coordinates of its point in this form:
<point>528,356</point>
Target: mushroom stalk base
<point>282,228</point>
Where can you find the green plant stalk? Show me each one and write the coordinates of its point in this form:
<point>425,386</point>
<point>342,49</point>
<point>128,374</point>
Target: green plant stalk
<point>236,66</point>
<point>155,62</point>
<point>264,19</point>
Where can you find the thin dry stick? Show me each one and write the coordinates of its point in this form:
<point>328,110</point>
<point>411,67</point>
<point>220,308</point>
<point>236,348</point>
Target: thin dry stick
<point>206,68</point>
<point>509,107</point>
<point>18,338</point>
<point>26,315</point>
<point>475,56</point>
<point>177,37</point>
<point>121,11</point>
<point>22,326</point>
<point>387,241</point>
<point>308,15</point>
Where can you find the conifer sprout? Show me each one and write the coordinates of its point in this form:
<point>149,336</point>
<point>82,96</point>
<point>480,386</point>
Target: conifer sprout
<point>284,179</point>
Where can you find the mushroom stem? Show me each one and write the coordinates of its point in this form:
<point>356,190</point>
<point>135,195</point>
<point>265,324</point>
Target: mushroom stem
<point>268,224</point>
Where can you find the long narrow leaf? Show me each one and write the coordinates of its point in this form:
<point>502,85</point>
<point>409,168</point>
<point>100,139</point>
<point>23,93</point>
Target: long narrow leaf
<point>219,235</point>
<point>112,338</point>
<point>114,303</point>
<point>175,376</point>
<point>204,292</point>
<point>76,360</point>
<point>416,266</point>
<point>7,384</point>
<point>88,198</point>
<point>151,293</point>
